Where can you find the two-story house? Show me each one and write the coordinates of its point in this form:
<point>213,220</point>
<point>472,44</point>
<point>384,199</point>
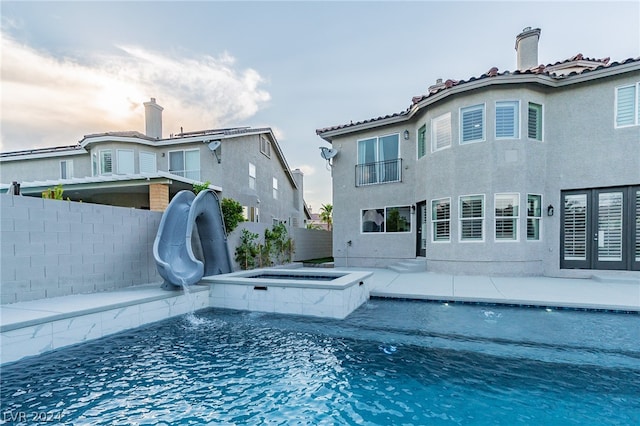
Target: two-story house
<point>145,171</point>
<point>530,172</point>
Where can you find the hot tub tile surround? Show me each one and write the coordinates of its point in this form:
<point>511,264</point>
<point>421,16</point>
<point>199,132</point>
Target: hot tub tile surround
<point>336,298</point>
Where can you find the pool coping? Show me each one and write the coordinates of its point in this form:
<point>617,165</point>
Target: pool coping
<point>344,278</point>
<point>51,315</point>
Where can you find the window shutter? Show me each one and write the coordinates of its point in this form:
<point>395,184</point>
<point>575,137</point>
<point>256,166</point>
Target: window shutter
<point>472,124</point>
<point>147,162</point>
<point>506,120</point>
<point>625,106</point>
<point>442,132</point>
<point>534,127</point>
<point>125,161</point>
<point>575,227</point>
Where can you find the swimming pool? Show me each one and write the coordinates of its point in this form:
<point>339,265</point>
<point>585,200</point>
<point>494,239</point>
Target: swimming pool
<point>390,362</point>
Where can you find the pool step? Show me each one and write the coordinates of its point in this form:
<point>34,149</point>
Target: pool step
<point>409,265</point>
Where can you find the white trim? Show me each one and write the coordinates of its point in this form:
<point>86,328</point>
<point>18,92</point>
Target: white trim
<point>133,161</point>
<point>441,117</point>
<point>483,218</point>
<point>432,231</point>
<point>481,106</point>
<point>527,217</point>
<point>516,227</point>
<point>517,124</point>
<point>636,101</point>
<point>541,118</point>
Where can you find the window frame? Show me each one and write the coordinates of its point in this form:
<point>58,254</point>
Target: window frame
<point>274,183</point>
<point>101,162</point>
<point>184,163</point>
<point>68,169</point>
<point>133,161</point>
<point>442,118</point>
<point>477,218</point>
<point>514,217</point>
<point>540,118</point>
<point>252,176</point>
<point>636,106</point>
<point>384,211</point>
<point>265,146</point>
<point>434,221</point>
<point>422,141</point>
<point>534,217</point>
<point>515,104</point>
<point>383,170</point>
<point>468,109</point>
<point>149,155</point>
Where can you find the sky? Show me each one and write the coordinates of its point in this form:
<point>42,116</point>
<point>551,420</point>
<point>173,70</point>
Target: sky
<point>74,68</point>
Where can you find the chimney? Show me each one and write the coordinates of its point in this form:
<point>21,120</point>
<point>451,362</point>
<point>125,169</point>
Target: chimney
<point>153,119</point>
<point>527,48</point>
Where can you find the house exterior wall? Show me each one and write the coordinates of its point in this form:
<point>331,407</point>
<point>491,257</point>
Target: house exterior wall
<point>581,148</point>
<point>231,173</point>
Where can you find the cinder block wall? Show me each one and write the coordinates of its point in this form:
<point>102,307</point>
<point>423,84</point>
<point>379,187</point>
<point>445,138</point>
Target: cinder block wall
<point>55,248</point>
<point>308,243</point>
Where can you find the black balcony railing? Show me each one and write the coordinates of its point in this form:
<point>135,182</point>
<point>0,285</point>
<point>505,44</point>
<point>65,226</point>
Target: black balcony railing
<point>379,172</point>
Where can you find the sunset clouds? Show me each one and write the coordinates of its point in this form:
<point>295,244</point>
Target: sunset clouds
<point>48,101</point>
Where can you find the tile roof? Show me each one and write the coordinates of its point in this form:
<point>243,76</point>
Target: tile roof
<point>552,71</point>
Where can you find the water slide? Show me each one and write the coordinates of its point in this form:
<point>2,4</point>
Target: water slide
<point>191,241</point>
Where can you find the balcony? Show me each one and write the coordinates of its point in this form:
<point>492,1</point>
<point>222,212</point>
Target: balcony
<point>379,172</point>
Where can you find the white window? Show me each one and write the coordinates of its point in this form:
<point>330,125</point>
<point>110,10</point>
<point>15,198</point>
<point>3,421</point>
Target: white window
<point>472,124</point>
<point>441,220</point>
<point>148,162</point>
<point>508,120</point>
<point>66,169</point>
<point>125,161</point>
<point>388,219</point>
<point>185,163</point>
<point>106,162</point>
<point>627,105</point>
<point>250,214</point>
<point>441,132</point>
<point>507,216</point>
<point>534,126</point>
<point>265,146</point>
<point>378,160</point>
<point>471,215</point>
<point>252,176</point>
<point>275,188</point>
<point>534,214</point>
<point>422,141</point>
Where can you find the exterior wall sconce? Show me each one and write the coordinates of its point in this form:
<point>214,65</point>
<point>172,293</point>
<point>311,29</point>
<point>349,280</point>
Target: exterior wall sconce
<point>413,209</point>
<point>406,135</point>
<point>550,210</point>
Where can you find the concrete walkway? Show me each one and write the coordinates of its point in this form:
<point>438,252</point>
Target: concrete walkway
<point>619,292</point>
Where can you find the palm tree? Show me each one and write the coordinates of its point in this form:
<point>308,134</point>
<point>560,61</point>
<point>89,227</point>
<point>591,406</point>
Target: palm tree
<point>326,213</point>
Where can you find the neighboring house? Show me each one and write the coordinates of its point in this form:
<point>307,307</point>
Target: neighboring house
<point>530,172</point>
<point>316,223</point>
<point>145,171</point>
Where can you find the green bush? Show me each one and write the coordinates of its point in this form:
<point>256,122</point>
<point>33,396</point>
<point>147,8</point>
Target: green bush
<point>232,213</point>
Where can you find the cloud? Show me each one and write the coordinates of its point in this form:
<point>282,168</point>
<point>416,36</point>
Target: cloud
<point>306,169</point>
<point>48,101</point>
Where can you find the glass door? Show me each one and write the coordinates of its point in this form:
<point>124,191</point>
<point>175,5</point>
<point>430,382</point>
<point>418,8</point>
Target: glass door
<point>608,227</point>
<point>421,234</point>
<point>601,229</point>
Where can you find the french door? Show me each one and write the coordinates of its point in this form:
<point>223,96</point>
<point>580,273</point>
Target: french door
<point>601,228</point>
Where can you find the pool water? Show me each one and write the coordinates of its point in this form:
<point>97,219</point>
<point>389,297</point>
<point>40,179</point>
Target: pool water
<point>390,362</point>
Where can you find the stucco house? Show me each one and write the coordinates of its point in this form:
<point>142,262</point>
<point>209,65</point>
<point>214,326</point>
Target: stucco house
<point>145,171</point>
<point>530,172</point>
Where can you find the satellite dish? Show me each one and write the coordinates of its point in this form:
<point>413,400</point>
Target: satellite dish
<point>214,145</point>
<point>327,153</point>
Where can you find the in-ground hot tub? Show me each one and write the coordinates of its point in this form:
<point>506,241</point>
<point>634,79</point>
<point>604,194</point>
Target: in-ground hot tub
<point>302,291</point>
